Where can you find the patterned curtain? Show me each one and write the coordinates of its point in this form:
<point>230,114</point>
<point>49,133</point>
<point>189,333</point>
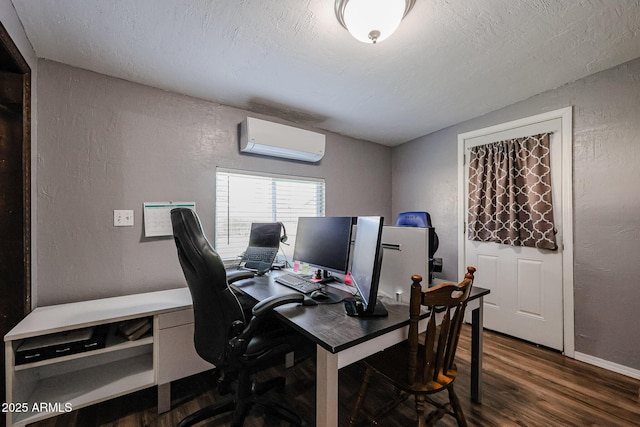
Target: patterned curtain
<point>510,193</point>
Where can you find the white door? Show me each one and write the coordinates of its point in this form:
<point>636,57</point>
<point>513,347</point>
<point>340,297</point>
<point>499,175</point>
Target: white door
<point>527,293</point>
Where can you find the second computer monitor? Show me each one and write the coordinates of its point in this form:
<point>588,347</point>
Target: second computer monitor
<point>366,262</point>
<point>324,243</point>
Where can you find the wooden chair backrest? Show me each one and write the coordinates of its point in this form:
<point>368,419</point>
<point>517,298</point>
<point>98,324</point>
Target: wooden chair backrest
<point>438,352</point>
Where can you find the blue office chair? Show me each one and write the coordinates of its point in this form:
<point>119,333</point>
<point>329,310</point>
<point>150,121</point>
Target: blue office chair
<point>236,346</point>
<point>423,220</point>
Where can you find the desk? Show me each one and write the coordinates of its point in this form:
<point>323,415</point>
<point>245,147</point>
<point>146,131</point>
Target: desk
<point>341,340</point>
<point>167,354</point>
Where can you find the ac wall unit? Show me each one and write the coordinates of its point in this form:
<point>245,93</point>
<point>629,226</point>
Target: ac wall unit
<point>276,140</point>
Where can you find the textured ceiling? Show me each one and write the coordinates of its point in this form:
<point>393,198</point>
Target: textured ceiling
<point>449,61</point>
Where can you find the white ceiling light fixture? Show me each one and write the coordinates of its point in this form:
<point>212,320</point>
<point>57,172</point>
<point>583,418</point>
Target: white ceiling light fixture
<point>371,21</point>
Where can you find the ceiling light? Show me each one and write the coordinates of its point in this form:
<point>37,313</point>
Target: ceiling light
<point>372,21</point>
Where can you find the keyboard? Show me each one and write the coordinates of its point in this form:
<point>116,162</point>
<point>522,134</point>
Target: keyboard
<point>260,254</point>
<point>298,283</point>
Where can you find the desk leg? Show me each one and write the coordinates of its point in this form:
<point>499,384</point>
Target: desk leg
<point>326,388</point>
<point>164,397</point>
<point>476,352</point>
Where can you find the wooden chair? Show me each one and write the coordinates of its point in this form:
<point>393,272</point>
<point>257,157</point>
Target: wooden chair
<point>423,368</point>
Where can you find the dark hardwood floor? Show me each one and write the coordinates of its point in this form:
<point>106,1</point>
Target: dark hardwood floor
<point>524,385</point>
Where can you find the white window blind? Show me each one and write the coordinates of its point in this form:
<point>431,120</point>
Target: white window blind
<point>246,197</point>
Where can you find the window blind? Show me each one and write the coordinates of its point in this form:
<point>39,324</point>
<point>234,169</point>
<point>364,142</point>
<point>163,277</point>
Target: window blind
<point>246,197</point>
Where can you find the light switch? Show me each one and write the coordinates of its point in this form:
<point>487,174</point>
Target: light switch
<point>123,218</point>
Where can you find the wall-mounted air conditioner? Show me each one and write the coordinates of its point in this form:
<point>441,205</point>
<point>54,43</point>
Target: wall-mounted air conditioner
<point>276,140</point>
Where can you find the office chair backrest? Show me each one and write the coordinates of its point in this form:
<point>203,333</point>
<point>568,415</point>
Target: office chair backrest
<point>441,341</point>
<point>216,309</point>
<point>421,220</point>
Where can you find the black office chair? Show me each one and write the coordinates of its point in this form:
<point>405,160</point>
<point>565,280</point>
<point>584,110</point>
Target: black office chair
<point>237,347</point>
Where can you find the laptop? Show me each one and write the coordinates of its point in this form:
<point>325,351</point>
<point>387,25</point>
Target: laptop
<point>264,243</point>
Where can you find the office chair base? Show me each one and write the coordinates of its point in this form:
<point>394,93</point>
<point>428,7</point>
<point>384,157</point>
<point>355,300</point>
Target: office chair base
<point>241,410</point>
<point>226,405</point>
<point>278,383</point>
<point>241,406</point>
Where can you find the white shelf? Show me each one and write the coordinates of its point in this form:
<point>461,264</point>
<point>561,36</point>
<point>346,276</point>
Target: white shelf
<point>91,385</point>
<point>114,343</point>
<point>76,315</point>
<point>121,367</point>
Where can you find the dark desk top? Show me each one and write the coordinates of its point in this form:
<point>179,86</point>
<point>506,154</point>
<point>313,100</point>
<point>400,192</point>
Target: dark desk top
<point>327,324</point>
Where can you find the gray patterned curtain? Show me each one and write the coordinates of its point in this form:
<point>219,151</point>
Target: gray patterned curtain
<point>510,193</point>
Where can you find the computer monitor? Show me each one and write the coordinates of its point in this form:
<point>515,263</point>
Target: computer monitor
<point>324,243</point>
<point>366,262</point>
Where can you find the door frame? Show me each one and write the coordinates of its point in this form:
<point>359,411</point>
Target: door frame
<point>15,63</point>
<point>17,294</point>
<point>566,117</point>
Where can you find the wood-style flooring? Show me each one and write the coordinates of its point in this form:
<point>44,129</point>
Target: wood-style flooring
<point>524,385</point>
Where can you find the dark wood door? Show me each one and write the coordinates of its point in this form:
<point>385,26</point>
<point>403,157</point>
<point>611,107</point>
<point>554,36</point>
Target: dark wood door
<point>15,182</point>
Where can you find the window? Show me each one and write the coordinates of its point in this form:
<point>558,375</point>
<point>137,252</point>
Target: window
<point>246,197</point>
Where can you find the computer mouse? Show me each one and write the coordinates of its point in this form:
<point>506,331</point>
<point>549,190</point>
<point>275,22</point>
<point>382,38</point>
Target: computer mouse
<point>308,301</point>
<point>319,295</point>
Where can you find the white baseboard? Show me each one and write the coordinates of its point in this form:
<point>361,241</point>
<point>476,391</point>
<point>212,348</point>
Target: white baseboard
<point>624,370</point>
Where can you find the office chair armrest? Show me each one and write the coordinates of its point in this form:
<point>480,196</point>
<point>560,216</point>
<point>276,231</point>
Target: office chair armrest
<point>275,301</point>
<point>236,275</point>
<point>238,344</point>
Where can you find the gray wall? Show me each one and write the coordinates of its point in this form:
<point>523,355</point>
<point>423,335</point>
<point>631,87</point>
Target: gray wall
<point>606,152</point>
<point>110,144</point>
